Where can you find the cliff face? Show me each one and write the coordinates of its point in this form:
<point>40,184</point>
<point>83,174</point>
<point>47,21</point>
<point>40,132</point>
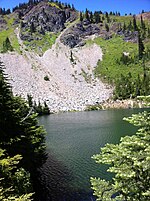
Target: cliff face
<point>45,17</point>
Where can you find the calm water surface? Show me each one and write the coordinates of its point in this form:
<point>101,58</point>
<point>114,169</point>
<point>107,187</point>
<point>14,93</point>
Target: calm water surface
<point>71,141</point>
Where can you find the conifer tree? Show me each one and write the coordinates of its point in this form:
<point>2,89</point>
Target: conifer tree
<point>19,129</point>
<point>134,24</point>
<point>130,27</point>
<point>81,17</point>
<point>124,27</point>
<point>7,45</point>
<point>91,17</point>
<point>107,27</point>
<point>32,28</point>
<point>97,17</point>
<point>87,14</point>
<point>148,32</point>
<point>140,47</point>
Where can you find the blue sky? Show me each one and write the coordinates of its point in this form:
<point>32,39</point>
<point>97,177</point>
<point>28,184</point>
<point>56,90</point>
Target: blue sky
<point>123,6</point>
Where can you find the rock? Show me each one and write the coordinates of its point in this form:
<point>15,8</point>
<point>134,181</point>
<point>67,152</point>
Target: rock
<point>77,33</point>
<point>131,36</point>
<point>71,40</point>
<point>3,23</point>
<point>46,18</point>
<point>86,22</point>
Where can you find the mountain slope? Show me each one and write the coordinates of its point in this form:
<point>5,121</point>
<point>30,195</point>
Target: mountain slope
<point>59,54</point>
<point>71,84</point>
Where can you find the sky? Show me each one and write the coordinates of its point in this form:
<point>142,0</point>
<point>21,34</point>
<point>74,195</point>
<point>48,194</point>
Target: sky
<point>122,6</point>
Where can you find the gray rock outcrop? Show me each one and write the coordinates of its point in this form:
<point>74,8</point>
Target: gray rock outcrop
<point>75,34</point>
<point>44,18</point>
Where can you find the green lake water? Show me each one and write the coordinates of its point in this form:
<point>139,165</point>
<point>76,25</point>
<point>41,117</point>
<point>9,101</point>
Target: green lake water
<point>72,138</point>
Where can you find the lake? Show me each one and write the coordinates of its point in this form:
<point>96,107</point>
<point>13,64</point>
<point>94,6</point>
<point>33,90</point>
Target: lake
<point>72,139</point>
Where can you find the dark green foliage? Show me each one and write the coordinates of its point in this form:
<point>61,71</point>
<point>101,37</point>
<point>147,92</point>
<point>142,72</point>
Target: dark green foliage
<point>7,46</point>
<point>140,47</point>
<point>41,109</point>
<point>46,78</point>
<point>73,7</point>
<point>46,108</point>
<point>126,59</point>
<point>135,27</point>
<point>130,27</point>
<point>81,17</point>
<point>106,14</point>
<point>19,129</point>
<point>32,28</point>
<point>71,57</point>
<point>96,17</point>
<point>91,17</point>
<point>143,28</point>
<point>107,27</point>
<point>148,32</point>
<point>126,87</point>
<point>29,99</point>
<point>87,14</point>
<point>124,27</point>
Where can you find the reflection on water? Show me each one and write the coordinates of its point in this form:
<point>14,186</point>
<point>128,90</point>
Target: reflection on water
<point>71,141</point>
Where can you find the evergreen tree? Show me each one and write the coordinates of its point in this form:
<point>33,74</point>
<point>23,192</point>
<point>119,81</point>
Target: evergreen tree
<point>124,27</point>
<point>148,32</point>
<point>32,28</point>
<point>91,17</point>
<point>46,109</point>
<point>106,14</point>
<point>130,26</point>
<point>87,14</point>
<point>107,27</point>
<point>7,46</point>
<point>97,17</point>
<point>134,24</point>
<point>140,47</point>
<point>30,3</point>
<point>73,8</point>
<point>129,162</point>
<point>143,28</point>
<point>30,101</point>
<point>81,17</point>
<point>20,132</point>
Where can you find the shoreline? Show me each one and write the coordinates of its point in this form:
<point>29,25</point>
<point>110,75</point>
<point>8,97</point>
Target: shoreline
<point>117,104</point>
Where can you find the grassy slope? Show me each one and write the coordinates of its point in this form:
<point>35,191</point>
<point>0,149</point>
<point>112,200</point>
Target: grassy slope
<point>109,69</point>
<point>40,46</point>
<point>9,32</point>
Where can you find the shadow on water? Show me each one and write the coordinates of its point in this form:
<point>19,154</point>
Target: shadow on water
<point>54,183</point>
